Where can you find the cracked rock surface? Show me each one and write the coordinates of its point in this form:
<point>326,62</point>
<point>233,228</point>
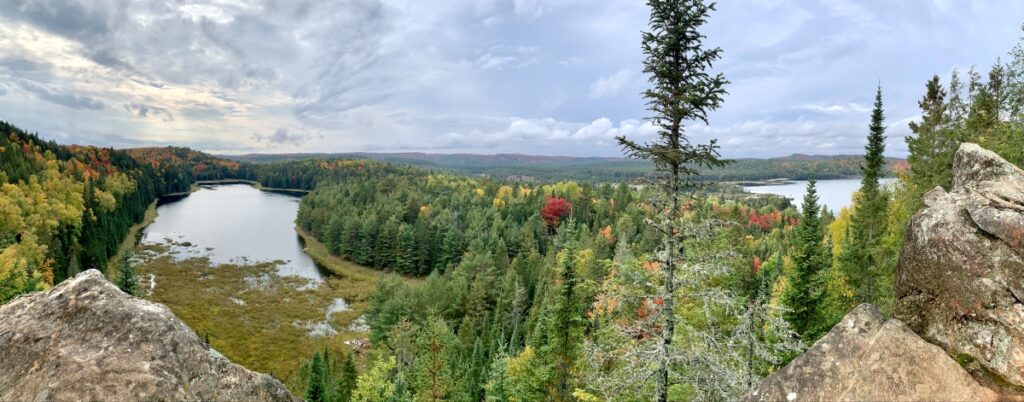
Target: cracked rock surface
<point>85,340</point>
<point>960,280</point>
<point>866,358</point>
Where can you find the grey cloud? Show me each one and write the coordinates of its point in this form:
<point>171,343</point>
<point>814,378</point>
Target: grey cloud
<point>501,75</point>
<point>281,136</point>
<point>62,97</point>
<point>146,111</point>
<point>88,19</point>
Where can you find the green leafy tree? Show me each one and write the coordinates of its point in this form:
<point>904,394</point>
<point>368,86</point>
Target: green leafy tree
<point>375,385</point>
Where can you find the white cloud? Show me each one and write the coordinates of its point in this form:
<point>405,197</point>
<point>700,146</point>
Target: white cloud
<point>610,86</point>
<point>838,108</point>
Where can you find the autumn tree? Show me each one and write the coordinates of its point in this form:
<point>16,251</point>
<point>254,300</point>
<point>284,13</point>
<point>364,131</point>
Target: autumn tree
<point>554,210</point>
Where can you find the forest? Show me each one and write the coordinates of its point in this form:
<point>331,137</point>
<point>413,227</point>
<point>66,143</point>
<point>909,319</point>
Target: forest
<point>531,168</point>
<point>641,279</point>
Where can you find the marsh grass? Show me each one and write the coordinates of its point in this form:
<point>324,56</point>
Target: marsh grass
<point>266,331</point>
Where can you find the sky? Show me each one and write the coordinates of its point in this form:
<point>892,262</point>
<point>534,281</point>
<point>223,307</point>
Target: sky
<point>550,77</point>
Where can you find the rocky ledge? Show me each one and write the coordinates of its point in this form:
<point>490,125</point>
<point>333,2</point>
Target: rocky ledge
<point>866,358</point>
<point>959,291</point>
<point>960,280</point>
<point>86,340</point>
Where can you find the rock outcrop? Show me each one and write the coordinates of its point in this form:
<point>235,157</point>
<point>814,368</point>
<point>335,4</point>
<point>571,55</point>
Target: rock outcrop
<point>85,340</point>
<point>960,280</point>
<point>866,358</point>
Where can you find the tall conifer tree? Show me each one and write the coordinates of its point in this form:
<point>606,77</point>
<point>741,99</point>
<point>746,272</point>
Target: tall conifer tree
<point>868,223</point>
<point>804,296</point>
<point>682,91</point>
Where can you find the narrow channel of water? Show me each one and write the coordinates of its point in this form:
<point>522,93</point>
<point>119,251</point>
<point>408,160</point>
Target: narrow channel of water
<point>234,223</point>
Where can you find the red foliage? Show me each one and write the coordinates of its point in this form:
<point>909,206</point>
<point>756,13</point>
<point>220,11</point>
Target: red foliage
<point>764,222</point>
<point>757,264</point>
<point>554,210</point>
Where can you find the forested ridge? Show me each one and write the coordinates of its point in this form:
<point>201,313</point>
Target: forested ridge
<point>531,168</point>
<point>63,208</point>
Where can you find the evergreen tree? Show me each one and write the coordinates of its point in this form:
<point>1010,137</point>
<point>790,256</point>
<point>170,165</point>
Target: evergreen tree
<point>811,257</point>
<point>434,367</point>
<point>932,146</point>
<point>682,91</point>
<point>127,280</point>
<point>347,378</point>
<point>868,223</point>
<point>316,378</point>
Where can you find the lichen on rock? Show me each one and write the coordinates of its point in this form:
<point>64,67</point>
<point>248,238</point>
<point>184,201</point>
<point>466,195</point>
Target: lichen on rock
<point>960,280</point>
<point>85,340</point>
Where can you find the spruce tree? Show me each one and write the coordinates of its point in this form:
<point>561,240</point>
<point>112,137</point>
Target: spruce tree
<point>682,91</point>
<point>316,386</point>
<point>868,224</point>
<point>811,257</point>
<point>347,378</point>
<point>127,280</point>
<point>932,146</point>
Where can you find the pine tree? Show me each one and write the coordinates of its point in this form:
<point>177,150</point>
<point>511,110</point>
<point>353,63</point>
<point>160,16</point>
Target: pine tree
<point>803,297</point>
<point>682,91</point>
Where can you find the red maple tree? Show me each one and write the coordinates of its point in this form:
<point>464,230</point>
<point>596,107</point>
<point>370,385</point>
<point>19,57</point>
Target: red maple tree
<point>554,210</point>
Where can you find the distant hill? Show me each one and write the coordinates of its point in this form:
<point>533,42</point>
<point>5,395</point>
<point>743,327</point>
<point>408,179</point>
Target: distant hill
<point>520,167</point>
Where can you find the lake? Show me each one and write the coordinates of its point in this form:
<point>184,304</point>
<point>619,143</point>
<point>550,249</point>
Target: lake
<point>233,223</point>
<point>834,194</point>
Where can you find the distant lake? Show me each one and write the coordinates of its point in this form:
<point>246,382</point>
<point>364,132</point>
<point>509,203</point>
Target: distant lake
<point>234,223</point>
<point>835,194</point>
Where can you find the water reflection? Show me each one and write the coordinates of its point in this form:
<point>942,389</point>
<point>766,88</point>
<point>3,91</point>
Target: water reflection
<point>234,224</point>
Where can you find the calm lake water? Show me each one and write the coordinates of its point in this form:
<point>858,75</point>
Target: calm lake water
<point>835,194</point>
<point>234,224</point>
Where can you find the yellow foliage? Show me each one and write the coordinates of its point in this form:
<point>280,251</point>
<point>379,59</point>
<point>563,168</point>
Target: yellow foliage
<point>106,201</point>
<point>24,255</point>
<point>585,396</point>
<point>498,203</point>
<point>504,193</point>
<point>119,184</point>
<point>837,231</point>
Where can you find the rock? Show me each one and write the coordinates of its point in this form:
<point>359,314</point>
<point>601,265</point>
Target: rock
<point>866,358</point>
<point>960,280</point>
<point>85,340</point>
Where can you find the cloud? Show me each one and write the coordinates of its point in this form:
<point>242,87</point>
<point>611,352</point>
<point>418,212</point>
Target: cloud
<point>281,136</point>
<point>62,98</point>
<point>529,76</point>
<point>144,111</point>
<point>612,85</point>
<point>838,108</point>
